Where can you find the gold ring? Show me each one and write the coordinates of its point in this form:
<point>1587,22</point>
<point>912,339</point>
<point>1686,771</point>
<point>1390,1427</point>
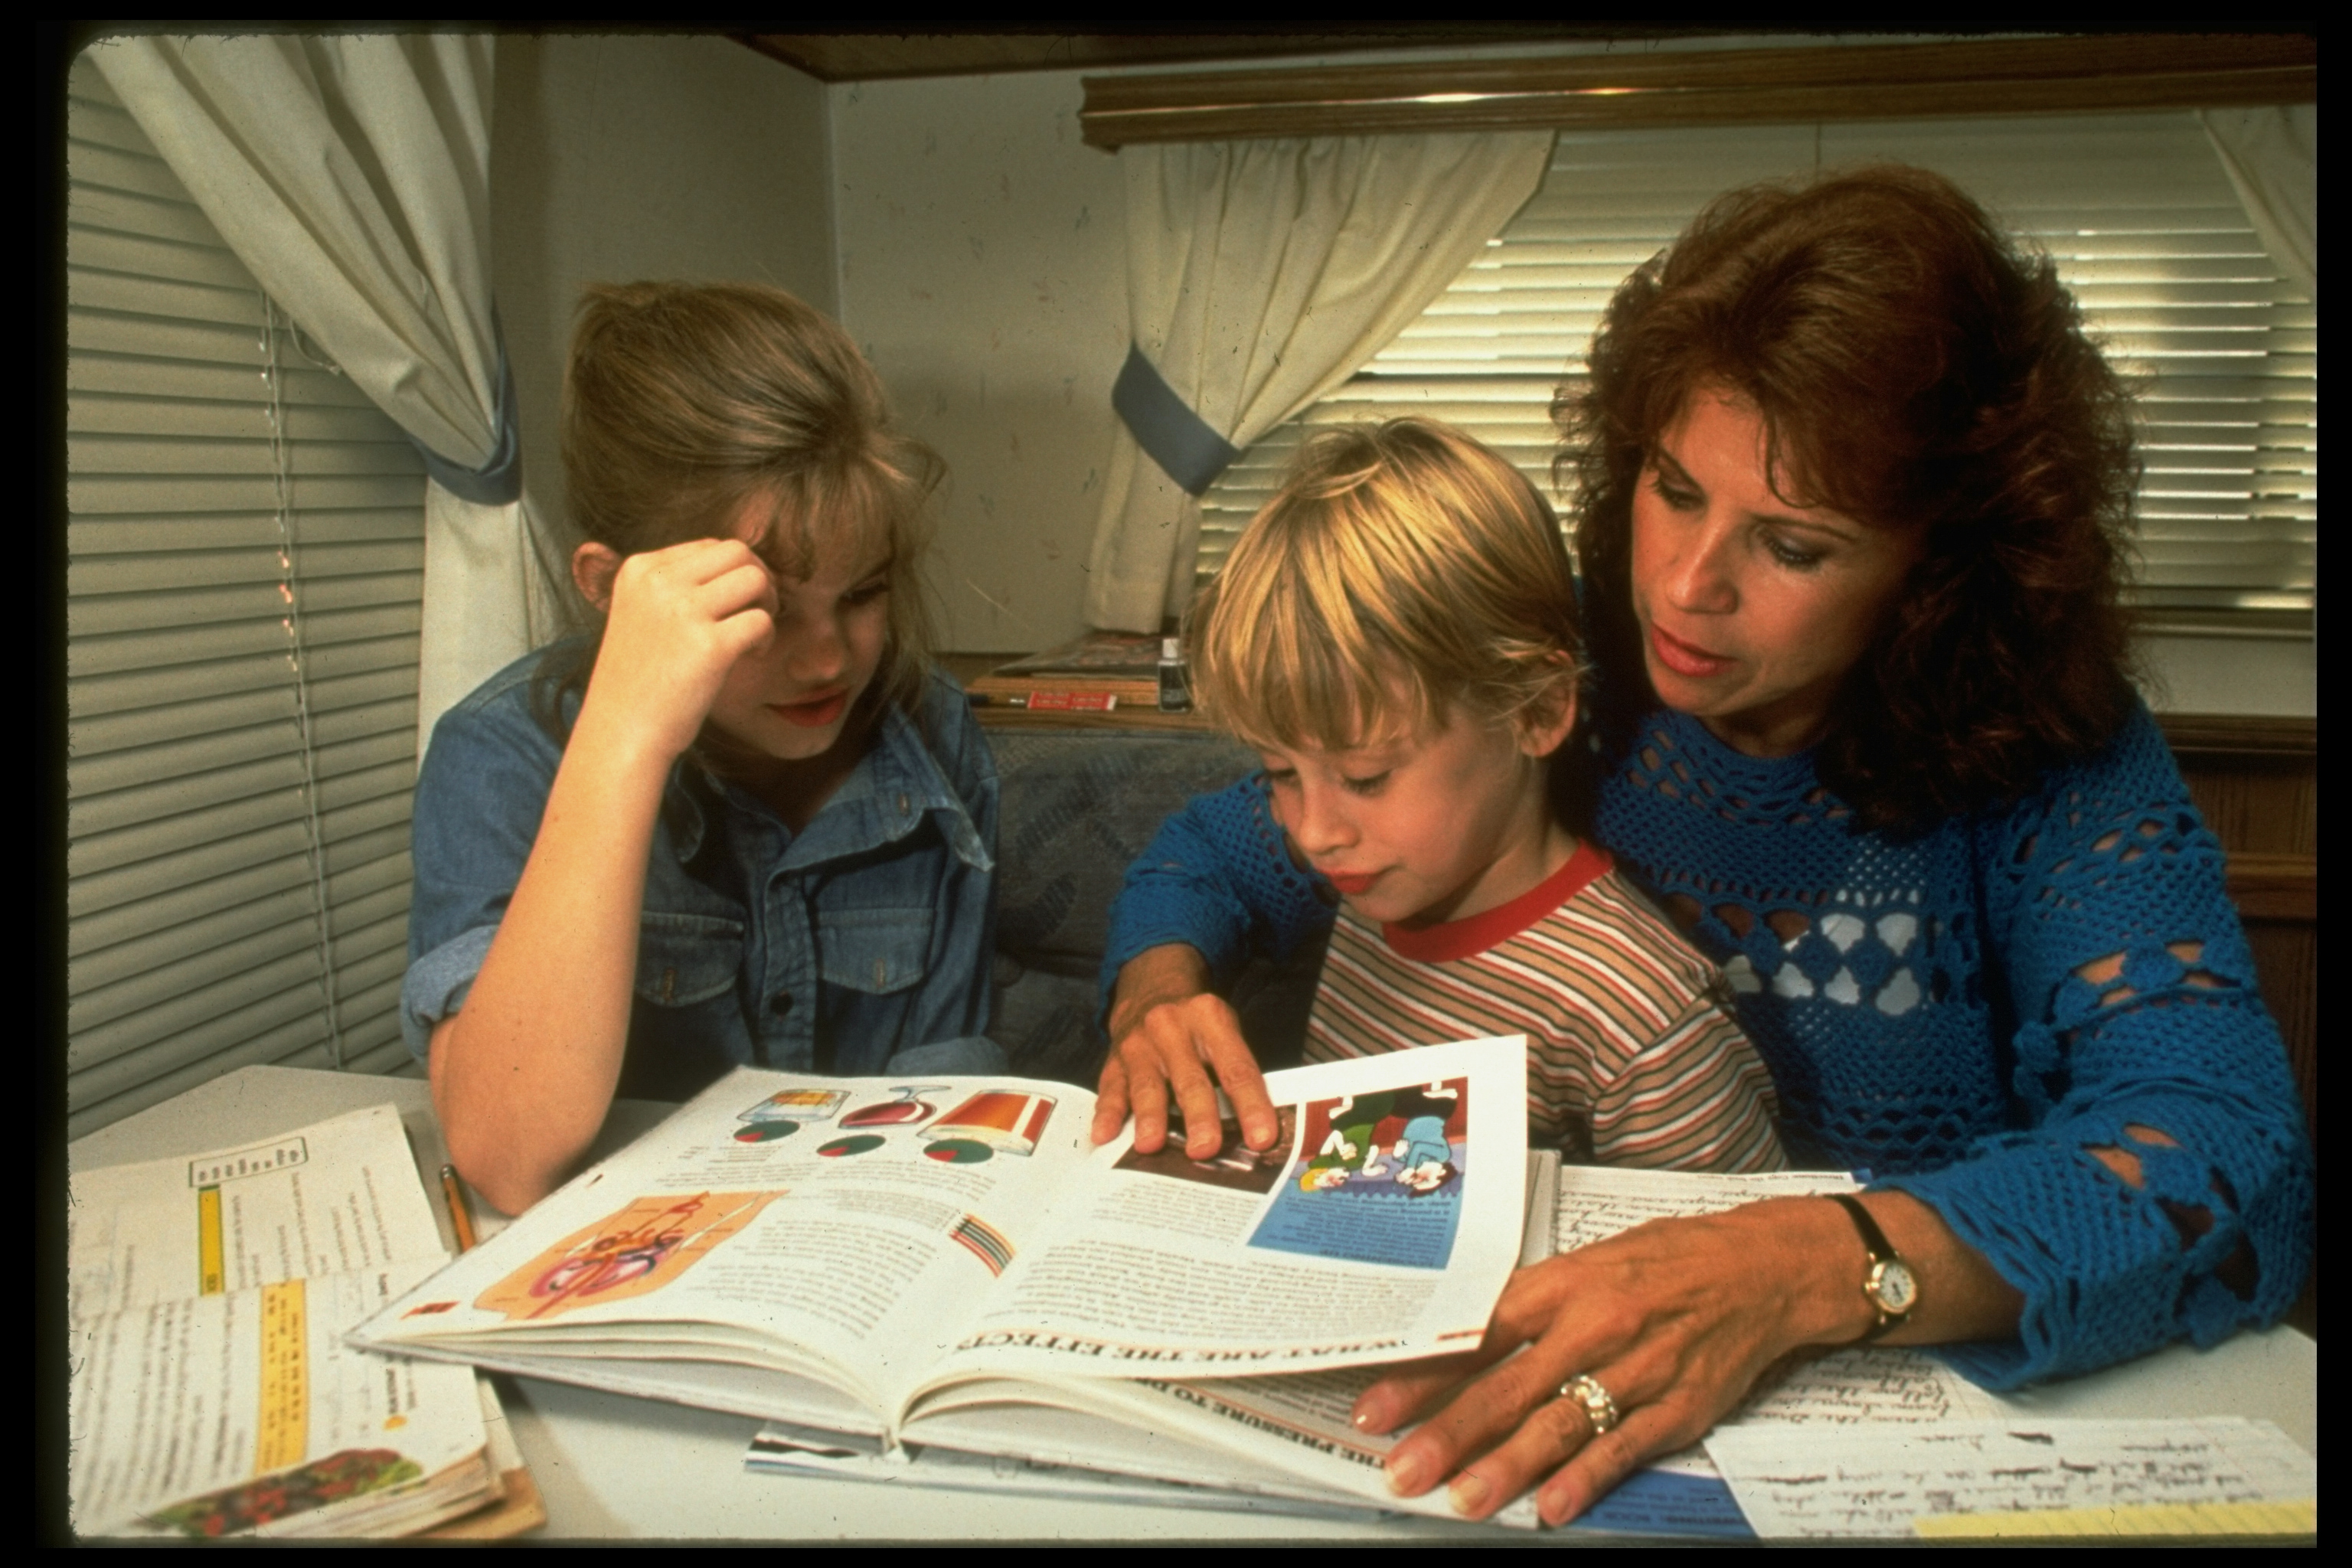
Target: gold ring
<point>1599,1408</point>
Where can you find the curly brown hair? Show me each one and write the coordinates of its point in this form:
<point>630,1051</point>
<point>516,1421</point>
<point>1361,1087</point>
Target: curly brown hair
<point>1913,365</point>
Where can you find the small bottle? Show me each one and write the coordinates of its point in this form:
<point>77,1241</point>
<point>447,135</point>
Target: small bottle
<point>1175,691</point>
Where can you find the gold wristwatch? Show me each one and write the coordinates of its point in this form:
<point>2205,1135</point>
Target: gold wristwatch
<point>1889,1286</point>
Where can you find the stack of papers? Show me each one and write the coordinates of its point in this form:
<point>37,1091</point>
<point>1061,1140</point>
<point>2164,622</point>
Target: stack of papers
<point>212,1392</point>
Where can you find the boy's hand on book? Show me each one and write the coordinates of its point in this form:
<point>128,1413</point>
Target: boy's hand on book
<point>1171,1036</point>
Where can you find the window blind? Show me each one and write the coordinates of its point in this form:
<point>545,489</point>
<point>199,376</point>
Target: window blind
<point>2135,210</point>
<point>245,560</point>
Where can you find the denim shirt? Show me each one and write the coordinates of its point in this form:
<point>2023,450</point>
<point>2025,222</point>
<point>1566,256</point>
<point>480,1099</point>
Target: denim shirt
<point>865,934</point>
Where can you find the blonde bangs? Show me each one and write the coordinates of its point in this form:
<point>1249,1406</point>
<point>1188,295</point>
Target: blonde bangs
<point>1290,654</point>
<point>1401,570</point>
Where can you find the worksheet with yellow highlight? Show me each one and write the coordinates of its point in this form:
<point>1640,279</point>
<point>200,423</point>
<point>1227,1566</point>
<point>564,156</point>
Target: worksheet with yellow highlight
<point>334,1198</point>
<point>212,1392</point>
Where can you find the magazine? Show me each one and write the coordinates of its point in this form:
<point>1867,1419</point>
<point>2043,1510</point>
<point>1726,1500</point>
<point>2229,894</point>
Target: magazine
<point>864,1256</point>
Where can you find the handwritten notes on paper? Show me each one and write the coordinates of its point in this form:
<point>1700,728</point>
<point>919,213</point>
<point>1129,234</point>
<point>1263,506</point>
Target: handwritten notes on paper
<point>1597,1200</point>
<point>1826,1481</point>
<point>1867,1384</point>
<point>1873,1385</point>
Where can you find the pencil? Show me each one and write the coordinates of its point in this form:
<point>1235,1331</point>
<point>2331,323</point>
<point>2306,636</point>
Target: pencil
<point>460,1215</point>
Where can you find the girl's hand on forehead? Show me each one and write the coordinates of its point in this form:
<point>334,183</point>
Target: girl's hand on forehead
<point>676,622</point>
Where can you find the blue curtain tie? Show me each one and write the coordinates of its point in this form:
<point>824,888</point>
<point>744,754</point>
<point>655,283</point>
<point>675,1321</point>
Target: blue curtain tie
<point>1183,444</point>
<point>498,482</point>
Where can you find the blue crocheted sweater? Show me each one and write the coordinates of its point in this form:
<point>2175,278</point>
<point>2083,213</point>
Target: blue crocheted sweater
<point>1924,1008</point>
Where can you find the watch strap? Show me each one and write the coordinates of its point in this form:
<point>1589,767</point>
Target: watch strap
<point>1882,1251</point>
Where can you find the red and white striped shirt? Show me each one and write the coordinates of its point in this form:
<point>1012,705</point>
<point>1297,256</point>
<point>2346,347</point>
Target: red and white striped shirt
<point>1631,1060</point>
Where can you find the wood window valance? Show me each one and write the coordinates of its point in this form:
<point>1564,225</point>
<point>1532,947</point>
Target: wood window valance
<point>2079,74</point>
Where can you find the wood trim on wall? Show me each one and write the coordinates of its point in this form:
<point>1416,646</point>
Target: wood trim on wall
<point>2079,74</point>
<point>2242,735</point>
<point>2274,887</point>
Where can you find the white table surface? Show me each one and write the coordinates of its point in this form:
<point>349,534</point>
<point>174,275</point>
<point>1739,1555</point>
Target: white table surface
<point>615,1468</point>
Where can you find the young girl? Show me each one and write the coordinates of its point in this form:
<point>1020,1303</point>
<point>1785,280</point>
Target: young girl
<point>1394,634</point>
<point>747,823</point>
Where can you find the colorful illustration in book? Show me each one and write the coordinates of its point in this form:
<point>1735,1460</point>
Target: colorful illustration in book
<point>1377,1178</point>
<point>638,1250</point>
<point>779,1115</point>
<point>234,1510</point>
<point>1235,1165</point>
<point>983,1241</point>
<point>1347,1147</point>
<point>906,1110</point>
<point>991,1122</point>
<point>856,1143</point>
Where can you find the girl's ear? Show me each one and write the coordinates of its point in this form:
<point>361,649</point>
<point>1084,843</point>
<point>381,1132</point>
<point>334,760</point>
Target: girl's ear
<point>593,567</point>
<point>1546,727</point>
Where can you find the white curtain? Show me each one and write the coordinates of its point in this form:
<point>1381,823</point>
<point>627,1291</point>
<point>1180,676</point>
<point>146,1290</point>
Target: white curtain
<point>2273,157</point>
<point>351,176</point>
<point>1260,276</point>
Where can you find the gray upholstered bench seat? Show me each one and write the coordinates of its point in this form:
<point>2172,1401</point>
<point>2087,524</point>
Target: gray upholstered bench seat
<point>1077,807</point>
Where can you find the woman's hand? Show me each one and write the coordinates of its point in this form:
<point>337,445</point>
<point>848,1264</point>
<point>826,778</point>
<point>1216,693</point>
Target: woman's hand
<point>676,621</point>
<point>1169,1034</point>
<point>1677,1319</point>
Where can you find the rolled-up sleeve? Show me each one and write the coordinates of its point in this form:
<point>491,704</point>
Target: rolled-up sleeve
<point>479,798</point>
<point>1216,879</point>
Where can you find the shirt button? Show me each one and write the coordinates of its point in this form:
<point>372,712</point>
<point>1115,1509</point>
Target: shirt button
<point>781,1002</point>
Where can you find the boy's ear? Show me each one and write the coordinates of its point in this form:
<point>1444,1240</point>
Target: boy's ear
<point>1546,727</point>
<point>593,567</point>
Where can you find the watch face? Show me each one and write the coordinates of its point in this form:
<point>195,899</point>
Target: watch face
<point>1891,1286</point>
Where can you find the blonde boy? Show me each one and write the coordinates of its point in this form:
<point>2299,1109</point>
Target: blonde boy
<point>1396,634</point>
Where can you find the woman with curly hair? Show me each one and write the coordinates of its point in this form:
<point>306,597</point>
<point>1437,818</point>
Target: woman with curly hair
<point>1853,500</point>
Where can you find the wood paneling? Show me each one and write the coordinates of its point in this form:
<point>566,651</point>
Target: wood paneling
<point>2107,74</point>
<point>2257,782</point>
<point>871,57</point>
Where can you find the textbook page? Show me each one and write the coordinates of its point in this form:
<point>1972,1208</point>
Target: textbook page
<point>334,1198</point>
<point>1245,1431</point>
<point>245,1411</point>
<point>836,1229</point>
<point>1383,1223</point>
<point>211,1391</point>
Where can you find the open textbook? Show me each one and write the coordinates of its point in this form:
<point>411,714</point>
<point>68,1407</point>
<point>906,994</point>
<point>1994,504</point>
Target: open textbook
<point>1301,1450</point>
<point>211,1392</point>
<point>874,1257</point>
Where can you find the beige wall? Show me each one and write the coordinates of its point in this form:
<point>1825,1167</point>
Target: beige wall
<point>984,269</point>
<point>620,158</point>
<point>975,249</point>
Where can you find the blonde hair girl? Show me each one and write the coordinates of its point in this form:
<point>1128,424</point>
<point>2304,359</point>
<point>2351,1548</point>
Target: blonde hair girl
<point>742,822</point>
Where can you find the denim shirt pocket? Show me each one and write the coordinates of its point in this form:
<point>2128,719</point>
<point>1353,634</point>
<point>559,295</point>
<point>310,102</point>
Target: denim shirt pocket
<point>683,960</point>
<point>876,951</point>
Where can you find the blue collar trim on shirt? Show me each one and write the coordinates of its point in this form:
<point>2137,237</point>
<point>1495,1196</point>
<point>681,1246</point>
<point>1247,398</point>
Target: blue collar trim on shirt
<point>894,786</point>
